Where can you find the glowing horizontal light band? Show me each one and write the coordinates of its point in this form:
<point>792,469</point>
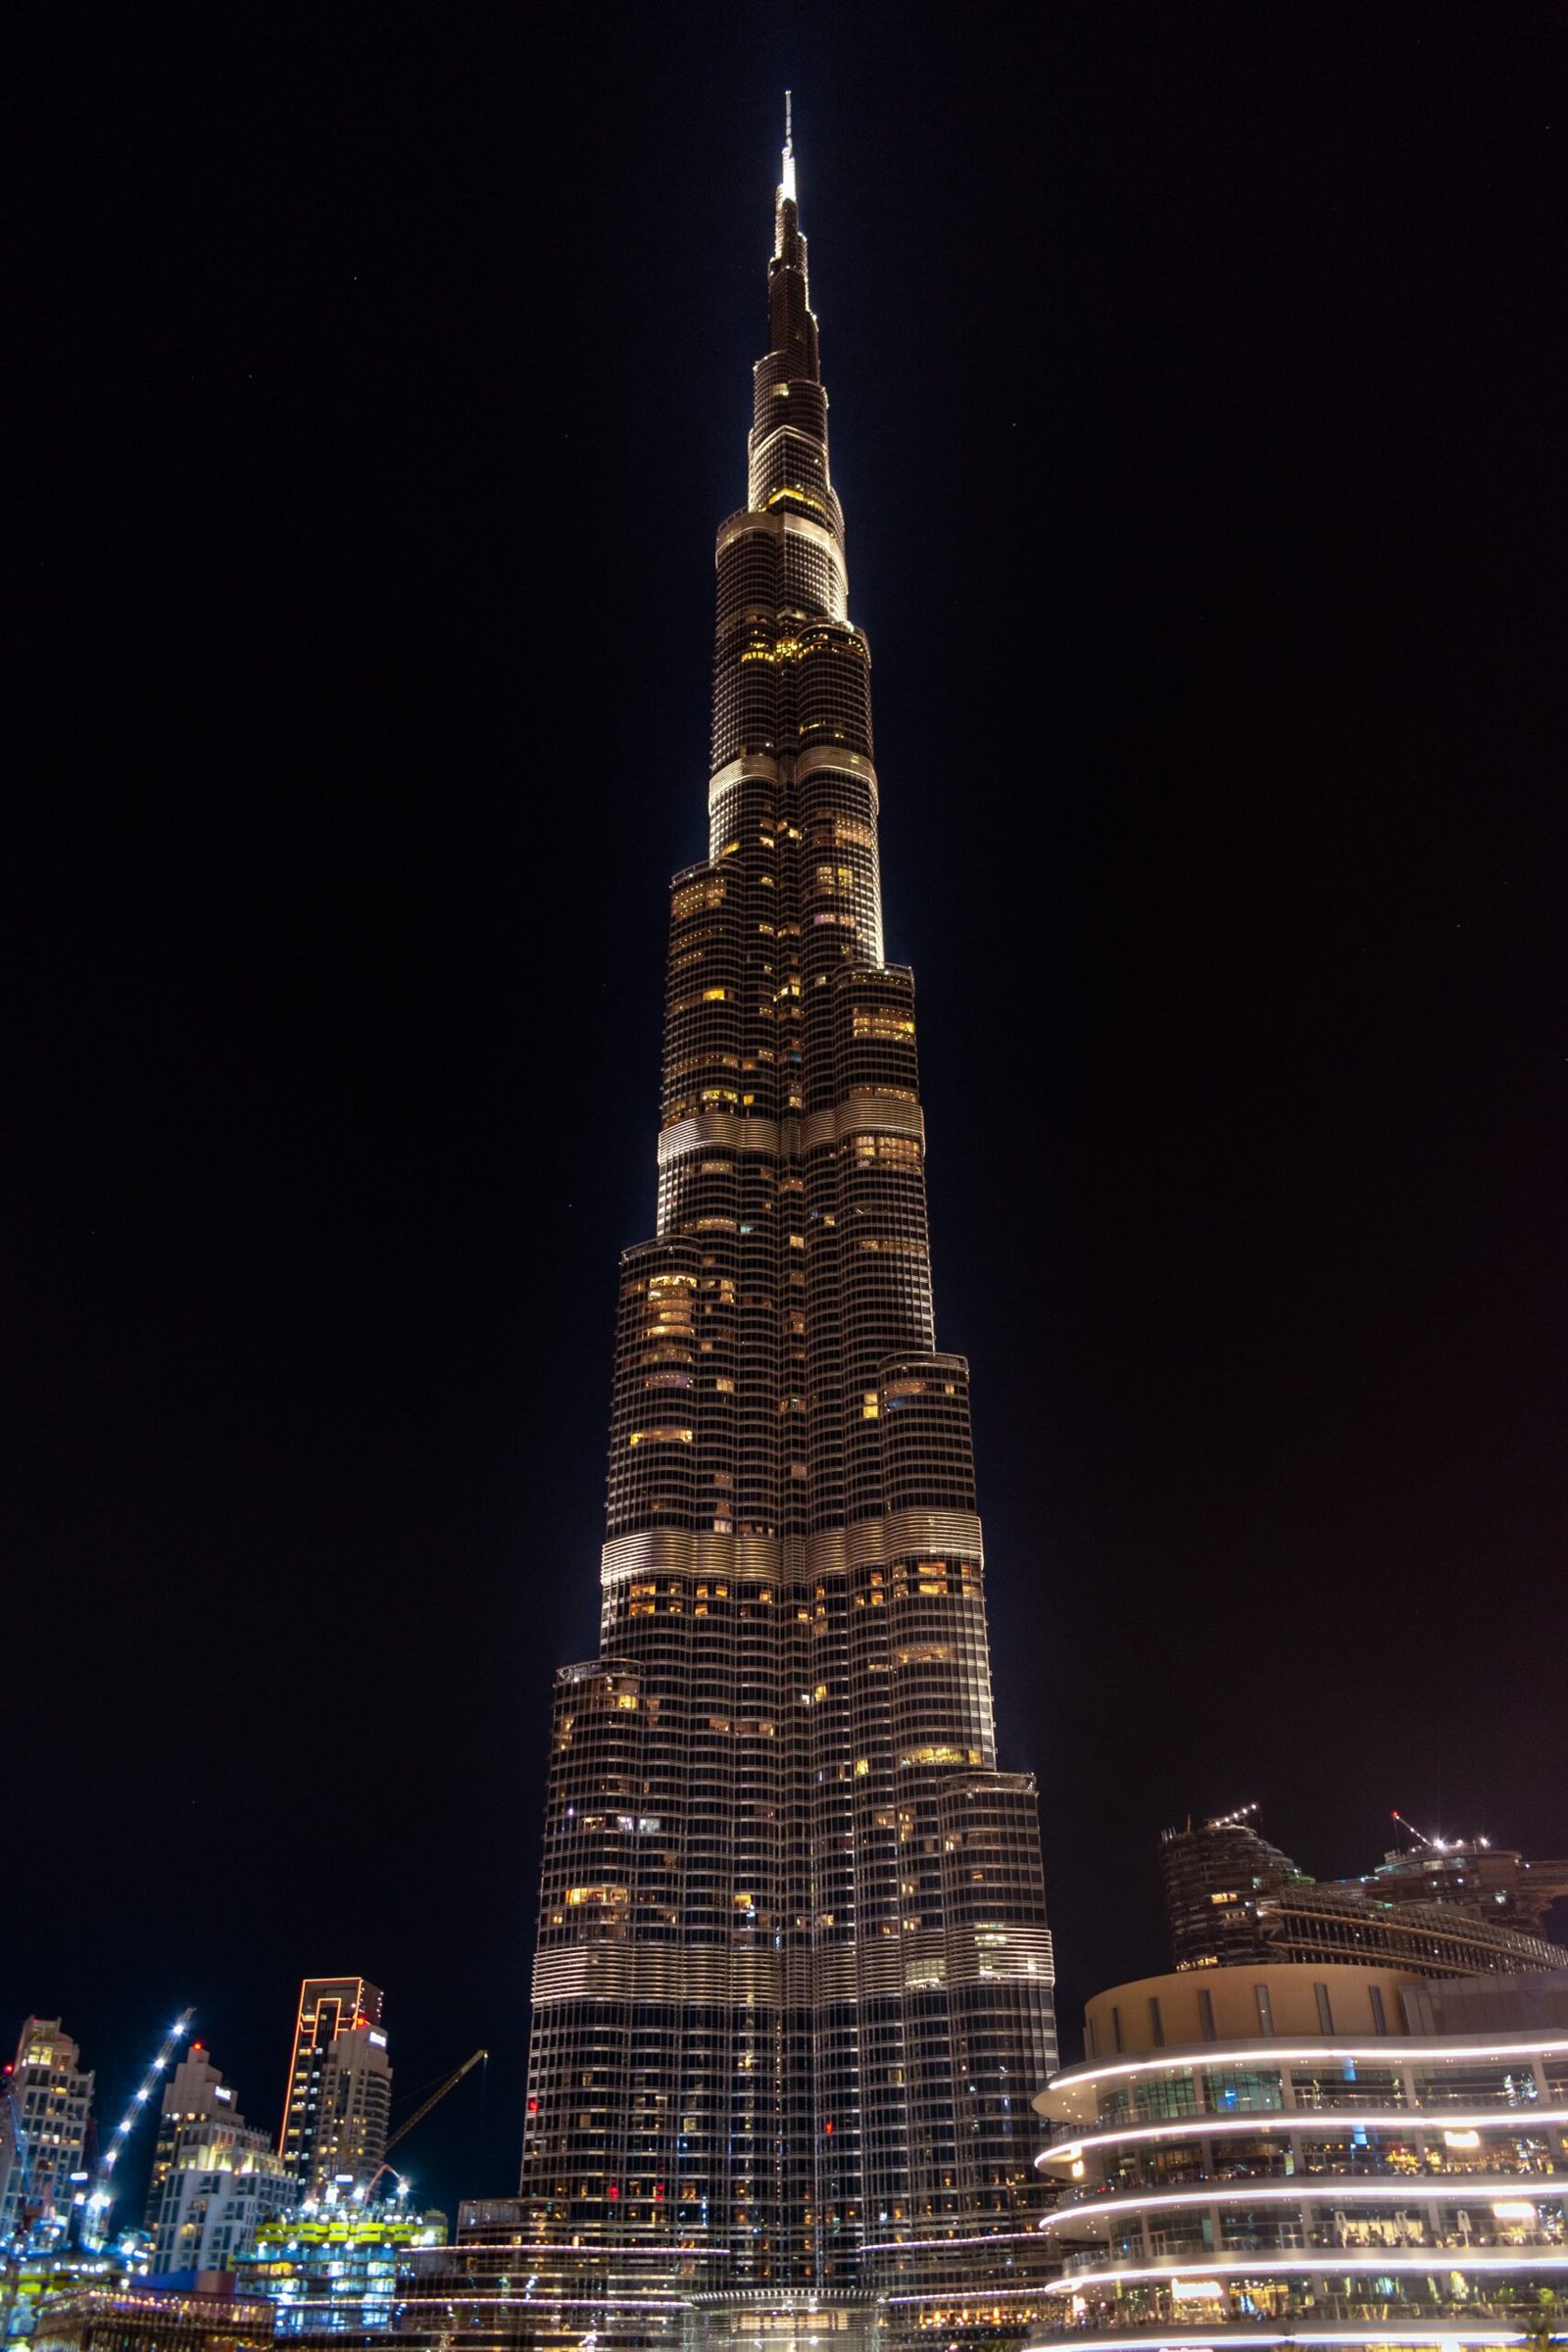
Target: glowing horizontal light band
<point>462,2300</point>
<point>1160,2336</point>
<point>981,2295</point>
<point>1315,2189</point>
<point>1335,2262</point>
<point>651,2250</point>
<point>1386,2050</point>
<point>922,2245</point>
<point>1304,2119</point>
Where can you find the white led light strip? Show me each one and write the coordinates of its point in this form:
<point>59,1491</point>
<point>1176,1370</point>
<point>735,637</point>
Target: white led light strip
<point>1335,2262</point>
<point>1324,2189</point>
<point>1313,2119</point>
<point>1389,2051</point>
<point>1161,2336</point>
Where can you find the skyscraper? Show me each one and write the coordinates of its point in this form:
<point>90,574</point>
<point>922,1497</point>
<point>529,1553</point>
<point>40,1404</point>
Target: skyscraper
<point>793,1985</point>
<point>339,2084</point>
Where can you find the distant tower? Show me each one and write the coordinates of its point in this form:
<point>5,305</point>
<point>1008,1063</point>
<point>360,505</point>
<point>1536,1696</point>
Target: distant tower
<point>215,2179</point>
<point>49,2100</point>
<point>339,2084</point>
<point>793,1987</point>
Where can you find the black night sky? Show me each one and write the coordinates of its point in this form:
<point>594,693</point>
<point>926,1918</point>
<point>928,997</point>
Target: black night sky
<point>377,379</point>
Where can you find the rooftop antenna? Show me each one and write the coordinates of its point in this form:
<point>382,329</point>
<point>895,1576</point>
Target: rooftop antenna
<point>787,175</point>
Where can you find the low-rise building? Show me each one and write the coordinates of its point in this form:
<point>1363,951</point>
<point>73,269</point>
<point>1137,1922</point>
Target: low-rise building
<point>335,2267</point>
<point>33,2281</point>
<point>1268,2154</point>
<point>142,2319</point>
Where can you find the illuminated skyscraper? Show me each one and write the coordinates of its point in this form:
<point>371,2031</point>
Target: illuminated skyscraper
<point>793,1987</point>
<point>339,2084</point>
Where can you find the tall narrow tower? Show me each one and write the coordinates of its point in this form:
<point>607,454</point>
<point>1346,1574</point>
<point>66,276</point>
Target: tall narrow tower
<point>793,1987</point>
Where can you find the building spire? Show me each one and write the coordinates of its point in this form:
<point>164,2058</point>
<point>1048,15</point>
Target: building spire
<point>786,180</point>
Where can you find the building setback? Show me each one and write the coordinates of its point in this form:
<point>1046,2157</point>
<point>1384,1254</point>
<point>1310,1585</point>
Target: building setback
<point>793,1985</point>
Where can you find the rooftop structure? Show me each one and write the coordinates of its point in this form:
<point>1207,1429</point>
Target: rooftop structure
<point>793,1985</point>
<point>1305,2171</point>
<point>1461,1907</point>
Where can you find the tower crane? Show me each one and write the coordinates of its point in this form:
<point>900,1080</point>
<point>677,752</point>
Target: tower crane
<point>479,2057</point>
<point>436,2096</point>
<point>95,2219</point>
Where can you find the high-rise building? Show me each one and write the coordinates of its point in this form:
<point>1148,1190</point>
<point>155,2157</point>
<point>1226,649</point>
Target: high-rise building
<point>793,1985</point>
<point>1449,1908</point>
<point>350,2131</point>
<point>48,2096</point>
<point>1290,2154</point>
<point>339,2084</point>
<point>215,2179</point>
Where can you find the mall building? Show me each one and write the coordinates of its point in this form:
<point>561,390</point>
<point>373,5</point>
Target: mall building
<point>1314,2154</point>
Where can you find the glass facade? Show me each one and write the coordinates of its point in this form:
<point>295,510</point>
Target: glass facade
<point>793,1985</point>
<point>1346,2192</point>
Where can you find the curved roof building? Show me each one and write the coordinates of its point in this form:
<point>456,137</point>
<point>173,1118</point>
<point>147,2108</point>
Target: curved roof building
<point>1268,2157</point>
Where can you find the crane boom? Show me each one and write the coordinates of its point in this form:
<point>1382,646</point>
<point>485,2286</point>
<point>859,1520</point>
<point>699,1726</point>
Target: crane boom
<point>435,2099</point>
<point>95,2219</point>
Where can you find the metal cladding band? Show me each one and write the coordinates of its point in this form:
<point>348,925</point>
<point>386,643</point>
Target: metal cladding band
<point>794,1978</point>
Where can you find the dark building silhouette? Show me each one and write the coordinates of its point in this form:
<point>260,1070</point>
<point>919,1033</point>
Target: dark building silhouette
<point>1448,1908</point>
